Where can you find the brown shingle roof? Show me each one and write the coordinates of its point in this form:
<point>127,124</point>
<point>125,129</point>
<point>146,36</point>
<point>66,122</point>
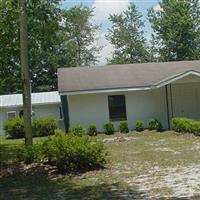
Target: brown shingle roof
<point>120,76</point>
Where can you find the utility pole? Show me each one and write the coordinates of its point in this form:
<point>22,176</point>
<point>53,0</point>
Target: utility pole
<point>25,73</point>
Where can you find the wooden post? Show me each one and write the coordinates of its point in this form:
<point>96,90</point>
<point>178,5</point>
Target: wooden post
<point>25,73</point>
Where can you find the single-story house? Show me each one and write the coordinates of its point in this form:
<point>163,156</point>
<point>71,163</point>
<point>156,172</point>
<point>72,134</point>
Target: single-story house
<point>130,92</point>
<point>44,104</point>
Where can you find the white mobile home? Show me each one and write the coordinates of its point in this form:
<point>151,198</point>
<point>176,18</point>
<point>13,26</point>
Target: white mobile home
<point>44,104</point>
<point>130,92</point>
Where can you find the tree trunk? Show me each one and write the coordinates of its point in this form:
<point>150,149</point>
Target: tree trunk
<point>25,73</point>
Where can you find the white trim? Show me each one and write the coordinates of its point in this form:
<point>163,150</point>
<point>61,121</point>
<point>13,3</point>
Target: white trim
<point>105,91</point>
<point>36,104</point>
<point>176,77</point>
<point>155,86</point>
<point>11,112</point>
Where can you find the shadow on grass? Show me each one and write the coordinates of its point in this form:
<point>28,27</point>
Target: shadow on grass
<point>7,152</point>
<point>43,187</point>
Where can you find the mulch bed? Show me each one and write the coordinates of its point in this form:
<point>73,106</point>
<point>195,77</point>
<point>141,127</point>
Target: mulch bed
<point>19,168</point>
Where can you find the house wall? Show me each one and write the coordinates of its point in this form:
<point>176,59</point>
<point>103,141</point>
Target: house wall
<point>140,105</point>
<point>186,99</point>
<point>183,99</point>
<point>50,110</point>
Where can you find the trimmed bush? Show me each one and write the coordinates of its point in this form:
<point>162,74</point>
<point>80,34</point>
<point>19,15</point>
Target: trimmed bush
<point>92,130</point>
<point>186,125</point>
<point>155,124</point>
<point>77,130</point>
<point>44,126</point>
<point>73,153</point>
<point>139,126</point>
<point>123,127</point>
<point>109,128</point>
<point>14,128</point>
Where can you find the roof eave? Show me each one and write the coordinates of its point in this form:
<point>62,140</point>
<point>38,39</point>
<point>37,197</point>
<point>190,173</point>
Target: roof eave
<point>105,90</point>
<point>34,104</point>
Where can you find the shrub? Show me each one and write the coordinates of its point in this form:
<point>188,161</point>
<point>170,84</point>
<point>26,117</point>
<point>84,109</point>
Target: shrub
<point>123,127</point>
<point>58,131</point>
<point>155,124</point>
<point>44,126</point>
<point>77,130</point>
<point>186,125</point>
<point>139,126</point>
<point>181,124</point>
<point>109,128</point>
<point>28,154</point>
<point>14,127</point>
<point>73,153</point>
<point>92,130</point>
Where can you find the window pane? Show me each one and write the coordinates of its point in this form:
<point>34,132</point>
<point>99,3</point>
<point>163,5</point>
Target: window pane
<point>117,107</point>
<point>11,114</point>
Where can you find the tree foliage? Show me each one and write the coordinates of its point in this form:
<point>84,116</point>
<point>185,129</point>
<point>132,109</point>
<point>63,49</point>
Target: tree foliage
<point>79,36</point>
<point>126,36</point>
<point>9,47</point>
<point>57,38</point>
<point>176,29</point>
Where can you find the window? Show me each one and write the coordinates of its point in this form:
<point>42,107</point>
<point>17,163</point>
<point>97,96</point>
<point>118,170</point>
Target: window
<point>11,114</point>
<point>117,107</point>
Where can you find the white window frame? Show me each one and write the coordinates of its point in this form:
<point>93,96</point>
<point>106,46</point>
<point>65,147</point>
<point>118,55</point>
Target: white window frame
<point>11,112</point>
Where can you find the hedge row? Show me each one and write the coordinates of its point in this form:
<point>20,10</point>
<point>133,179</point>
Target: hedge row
<point>186,125</point>
<point>154,124</point>
<point>14,127</point>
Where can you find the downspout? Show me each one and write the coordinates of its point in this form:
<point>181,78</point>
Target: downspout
<point>65,109</point>
<point>171,100</point>
<point>167,104</point>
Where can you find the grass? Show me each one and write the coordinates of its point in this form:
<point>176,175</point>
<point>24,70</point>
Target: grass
<point>141,165</point>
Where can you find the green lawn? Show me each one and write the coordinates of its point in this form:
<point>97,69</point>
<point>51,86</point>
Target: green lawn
<point>145,165</point>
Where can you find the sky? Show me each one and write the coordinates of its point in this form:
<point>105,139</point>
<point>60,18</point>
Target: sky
<point>102,10</point>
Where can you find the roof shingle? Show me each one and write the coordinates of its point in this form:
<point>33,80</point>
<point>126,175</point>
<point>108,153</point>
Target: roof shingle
<point>120,76</point>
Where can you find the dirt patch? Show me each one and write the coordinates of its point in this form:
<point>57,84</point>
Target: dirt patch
<point>119,139</point>
<point>181,182</point>
<point>184,134</point>
<point>166,150</point>
<point>196,147</point>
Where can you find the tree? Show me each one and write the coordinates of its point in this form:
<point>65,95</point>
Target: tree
<point>154,50</point>
<point>44,18</point>
<point>79,37</point>
<point>126,36</point>
<point>25,73</point>
<point>44,45</point>
<point>176,29</point>
<point>57,38</point>
<point>10,72</point>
